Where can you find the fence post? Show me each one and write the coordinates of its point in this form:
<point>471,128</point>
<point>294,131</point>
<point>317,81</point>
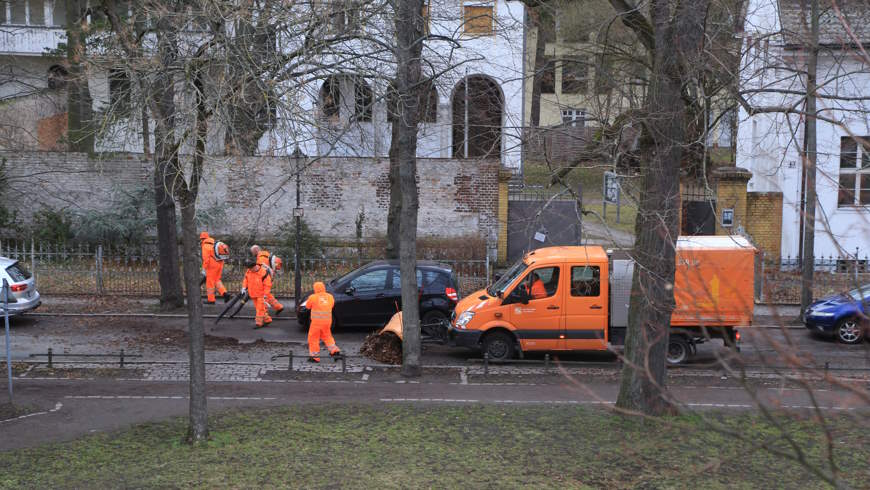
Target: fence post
<point>486,363</point>
<point>122,358</point>
<point>49,358</point>
<point>33,258</point>
<point>290,362</point>
<point>99,267</point>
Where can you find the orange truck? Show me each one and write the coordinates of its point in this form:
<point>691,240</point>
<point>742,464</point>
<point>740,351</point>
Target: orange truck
<point>576,299</point>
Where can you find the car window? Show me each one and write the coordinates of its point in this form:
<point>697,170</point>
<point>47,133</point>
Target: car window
<point>541,283</point>
<point>17,272</point>
<point>585,281</point>
<point>370,281</point>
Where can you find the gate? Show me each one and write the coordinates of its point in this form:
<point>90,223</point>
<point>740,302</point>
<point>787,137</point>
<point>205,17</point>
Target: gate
<point>699,209</point>
<point>538,219</point>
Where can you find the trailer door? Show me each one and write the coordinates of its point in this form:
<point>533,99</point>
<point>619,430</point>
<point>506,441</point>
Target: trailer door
<point>586,307</point>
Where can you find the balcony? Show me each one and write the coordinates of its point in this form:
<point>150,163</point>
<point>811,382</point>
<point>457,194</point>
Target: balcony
<point>30,40</point>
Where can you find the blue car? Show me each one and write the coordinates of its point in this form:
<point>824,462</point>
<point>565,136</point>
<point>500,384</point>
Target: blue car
<point>843,315</point>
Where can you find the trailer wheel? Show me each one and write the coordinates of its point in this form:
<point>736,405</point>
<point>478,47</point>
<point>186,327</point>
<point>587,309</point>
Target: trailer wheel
<point>499,346</point>
<point>678,350</point>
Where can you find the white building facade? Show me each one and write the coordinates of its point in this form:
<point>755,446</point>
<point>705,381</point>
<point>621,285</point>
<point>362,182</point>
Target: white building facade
<point>474,54</point>
<point>771,123</point>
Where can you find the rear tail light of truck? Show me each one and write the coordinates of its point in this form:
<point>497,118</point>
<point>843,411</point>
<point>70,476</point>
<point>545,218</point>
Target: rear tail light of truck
<point>17,288</point>
<point>452,294</point>
<point>737,335</point>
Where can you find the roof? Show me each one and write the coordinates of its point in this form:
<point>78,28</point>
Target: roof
<point>591,253</point>
<point>714,242</point>
<point>6,262</point>
<point>834,26</point>
<point>395,262</point>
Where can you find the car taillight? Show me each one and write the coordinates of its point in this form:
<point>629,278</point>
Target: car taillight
<point>737,335</point>
<point>451,293</point>
<point>17,288</point>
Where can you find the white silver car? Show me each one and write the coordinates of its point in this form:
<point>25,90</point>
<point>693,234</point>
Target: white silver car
<point>23,296</point>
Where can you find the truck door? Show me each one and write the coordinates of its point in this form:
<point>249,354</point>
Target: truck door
<point>538,323</point>
<point>585,318</point>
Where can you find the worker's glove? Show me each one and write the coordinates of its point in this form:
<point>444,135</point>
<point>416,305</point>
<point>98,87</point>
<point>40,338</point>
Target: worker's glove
<point>244,291</point>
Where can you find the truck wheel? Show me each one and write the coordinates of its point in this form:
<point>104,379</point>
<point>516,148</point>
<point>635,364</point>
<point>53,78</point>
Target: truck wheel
<point>678,350</point>
<point>850,331</point>
<point>499,346</point>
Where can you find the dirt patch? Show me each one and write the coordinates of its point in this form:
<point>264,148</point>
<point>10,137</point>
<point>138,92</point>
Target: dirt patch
<point>384,347</point>
<point>99,304</point>
<point>79,373</point>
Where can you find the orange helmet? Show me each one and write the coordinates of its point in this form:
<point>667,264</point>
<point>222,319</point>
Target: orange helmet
<point>203,235</point>
<point>221,251</point>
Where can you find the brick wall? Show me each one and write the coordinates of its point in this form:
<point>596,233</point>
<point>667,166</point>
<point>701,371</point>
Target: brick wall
<point>764,222</point>
<point>258,193</point>
<point>731,194</point>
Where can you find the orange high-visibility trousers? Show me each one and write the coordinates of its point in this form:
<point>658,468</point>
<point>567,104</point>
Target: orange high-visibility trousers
<point>262,317</point>
<point>271,301</point>
<point>213,283</point>
<point>321,331</point>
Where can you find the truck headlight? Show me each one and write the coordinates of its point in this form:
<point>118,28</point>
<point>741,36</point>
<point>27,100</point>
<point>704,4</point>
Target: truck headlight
<point>464,318</point>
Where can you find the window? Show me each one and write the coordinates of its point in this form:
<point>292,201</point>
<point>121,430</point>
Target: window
<point>854,183</point>
<point>478,19</point>
<point>370,281</point>
<point>18,9</point>
<point>363,100</point>
<point>17,272</point>
<point>586,281</point>
<point>119,92</point>
<point>541,283</point>
<point>548,76</point>
<point>575,76</point>
<point>575,118</point>
<point>330,98</point>
<point>58,14</point>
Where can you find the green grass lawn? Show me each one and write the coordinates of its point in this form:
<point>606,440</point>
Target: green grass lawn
<point>412,446</point>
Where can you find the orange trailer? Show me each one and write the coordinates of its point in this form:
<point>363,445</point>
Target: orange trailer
<point>576,298</point>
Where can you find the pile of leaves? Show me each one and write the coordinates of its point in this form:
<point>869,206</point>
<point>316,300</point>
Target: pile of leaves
<point>384,347</point>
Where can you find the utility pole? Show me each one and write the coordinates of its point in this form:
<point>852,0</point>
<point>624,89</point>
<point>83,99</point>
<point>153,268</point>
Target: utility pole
<point>297,216</point>
<point>809,235</point>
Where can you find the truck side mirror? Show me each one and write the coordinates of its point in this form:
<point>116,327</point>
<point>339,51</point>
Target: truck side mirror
<point>523,291</point>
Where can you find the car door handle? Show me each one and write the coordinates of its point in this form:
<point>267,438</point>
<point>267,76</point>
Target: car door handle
<point>552,307</point>
<point>380,295</point>
<point>595,307</point>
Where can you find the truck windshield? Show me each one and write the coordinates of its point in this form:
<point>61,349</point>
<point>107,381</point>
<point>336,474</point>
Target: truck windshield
<point>514,272</point>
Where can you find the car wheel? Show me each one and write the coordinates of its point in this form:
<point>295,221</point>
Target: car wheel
<point>850,331</point>
<point>434,323</point>
<point>678,350</point>
<point>499,346</point>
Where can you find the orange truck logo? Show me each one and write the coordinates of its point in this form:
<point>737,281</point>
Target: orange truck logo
<point>576,298</point>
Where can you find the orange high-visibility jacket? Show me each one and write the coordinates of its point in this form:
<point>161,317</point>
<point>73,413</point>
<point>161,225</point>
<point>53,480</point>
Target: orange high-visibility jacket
<point>263,258</point>
<point>208,257</point>
<point>257,282</point>
<point>320,303</point>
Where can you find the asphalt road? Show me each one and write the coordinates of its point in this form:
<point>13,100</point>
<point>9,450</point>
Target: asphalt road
<point>72,408</point>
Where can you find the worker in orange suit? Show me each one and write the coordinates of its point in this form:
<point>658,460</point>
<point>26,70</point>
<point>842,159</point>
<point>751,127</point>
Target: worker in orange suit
<point>538,289</point>
<point>320,304</point>
<point>213,257</point>
<point>258,280</point>
<point>266,259</point>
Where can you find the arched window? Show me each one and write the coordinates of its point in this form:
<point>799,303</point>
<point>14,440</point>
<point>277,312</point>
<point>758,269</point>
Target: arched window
<point>477,118</point>
<point>330,98</point>
<point>57,77</point>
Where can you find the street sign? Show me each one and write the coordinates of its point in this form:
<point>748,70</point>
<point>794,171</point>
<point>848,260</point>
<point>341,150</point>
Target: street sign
<point>298,212</point>
<point>727,217</point>
<point>612,192</point>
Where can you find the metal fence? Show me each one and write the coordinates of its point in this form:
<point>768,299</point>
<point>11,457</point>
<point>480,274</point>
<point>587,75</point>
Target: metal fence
<point>97,270</point>
<point>780,279</point>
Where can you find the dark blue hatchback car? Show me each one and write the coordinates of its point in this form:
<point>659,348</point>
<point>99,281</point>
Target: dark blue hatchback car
<point>843,315</point>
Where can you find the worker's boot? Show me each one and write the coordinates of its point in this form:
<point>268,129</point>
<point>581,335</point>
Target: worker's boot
<point>315,360</point>
<point>335,355</point>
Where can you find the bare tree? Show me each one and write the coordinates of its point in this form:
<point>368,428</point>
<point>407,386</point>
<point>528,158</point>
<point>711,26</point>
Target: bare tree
<point>79,112</point>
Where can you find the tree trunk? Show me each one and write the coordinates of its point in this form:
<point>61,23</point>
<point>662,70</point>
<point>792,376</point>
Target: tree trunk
<point>197,430</point>
<point>534,16</point>
<point>395,208</point>
<point>678,42</point>
<point>809,236</point>
<point>409,46</point>
<point>80,133</point>
<point>165,158</point>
